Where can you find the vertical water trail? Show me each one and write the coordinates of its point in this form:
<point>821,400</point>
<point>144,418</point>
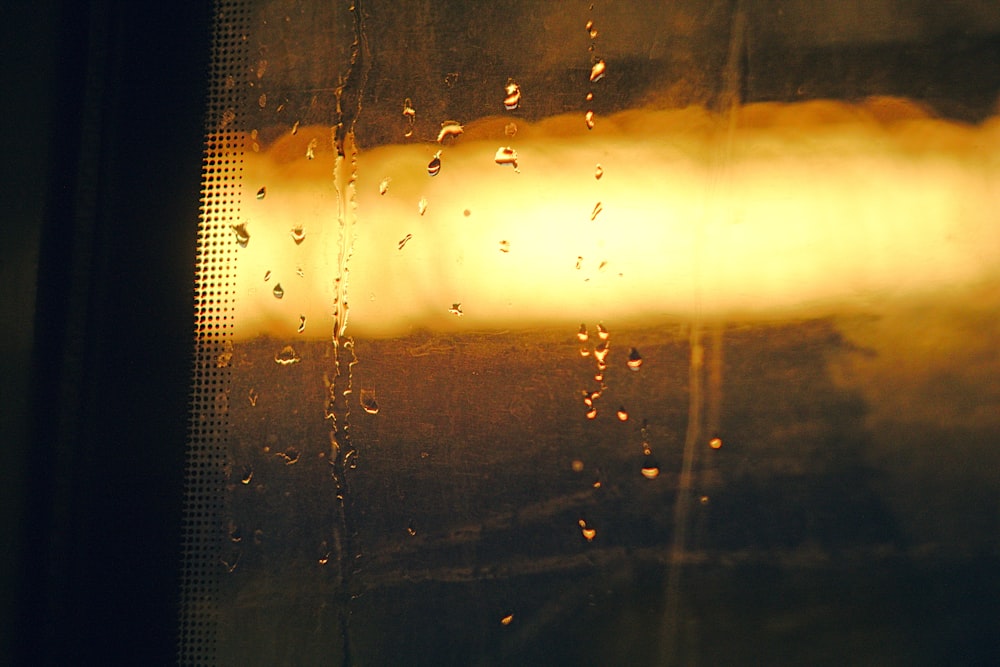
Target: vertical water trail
<point>343,455</point>
<point>728,101</point>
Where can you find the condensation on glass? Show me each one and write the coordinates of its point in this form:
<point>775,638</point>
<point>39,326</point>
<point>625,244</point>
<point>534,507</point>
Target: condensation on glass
<point>596,333</point>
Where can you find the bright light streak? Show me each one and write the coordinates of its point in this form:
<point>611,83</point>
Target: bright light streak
<point>789,209</point>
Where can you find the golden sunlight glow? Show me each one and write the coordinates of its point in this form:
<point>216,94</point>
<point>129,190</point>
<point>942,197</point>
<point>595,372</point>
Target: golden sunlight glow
<point>779,210</point>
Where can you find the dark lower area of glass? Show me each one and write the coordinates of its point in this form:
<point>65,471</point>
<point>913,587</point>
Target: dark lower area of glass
<point>801,545</point>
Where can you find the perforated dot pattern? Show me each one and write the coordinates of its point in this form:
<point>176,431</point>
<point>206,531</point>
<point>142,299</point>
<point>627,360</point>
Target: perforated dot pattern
<point>203,528</point>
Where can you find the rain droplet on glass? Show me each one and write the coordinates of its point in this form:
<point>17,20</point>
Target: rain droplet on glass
<point>287,356</point>
<point>601,351</point>
<point>715,443</point>
<point>291,456</point>
<point>582,334</point>
<point>295,128</point>
<point>589,97</point>
<point>408,110</point>
<point>383,185</point>
<point>589,118</point>
<point>434,166</point>
<point>584,351</point>
<point>302,323</point>
<point>262,192</point>
<point>242,235</point>
<point>622,414</point>
<point>368,402</point>
<point>512,95</point>
<point>579,261</point>
<point>591,413</point>
<point>506,155</point>
<point>252,396</point>
<point>298,234</point>
<point>597,71</point>
<point>422,205</point>
<point>577,465</point>
<point>588,533</point>
<point>411,529</point>
<point>247,474</point>
<point>267,276</point>
<point>262,100</point>
<point>505,246</point>
<point>278,292</point>
<point>597,211</point>
<point>510,129</point>
<point>403,241</point>
<point>598,172</point>
<point>456,309</point>
<point>506,620</point>
<point>602,332</point>
<point>650,468</point>
<point>634,360</point>
<point>449,128</point>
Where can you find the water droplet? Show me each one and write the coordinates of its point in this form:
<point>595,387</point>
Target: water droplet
<point>582,334</point>
<point>422,205</point>
<point>262,100</point>
<point>510,129</point>
<point>456,309</point>
<point>299,272</point>
<point>235,532</point>
<point>577,465</point>
<point>411,529</point>
<point>287,356</point>
<point>634,359</point>
<point>291,456</point>
<point>434,166</point>
<point>242,235</point>
<point>408,110</point>
<point>404,240</point>
<point>267,276</point>
<point>593,33</point>
<point>601,351</point>
<point>704,500</point>
<point>715,443</point>
<point>311,149</point>
<point>597,211</point>
<point>650,468</point>
<point>278,292</point>
<point>597,71</point>
<point>302,323</point>
<point>622,414</point>
<point>598,172</point>
<point>589,97</point>
<point>247,474</point>
<point>579,261</point>
<point>602,332</point>
<point>262,192</point>
<point>506,620</point>
<point>589,26</point>
<point>584,351</point>
<point>506,155</point>
<point>226,357</point>
<point>598,377</point>
<point>252,396</point>
<point>383,185</point>
<point>368,402</point>
<point>295,128</point>
<point>298,234</point>
<point>589,118</point>
<point>588,533</point>
<point>258,536</point>
<point>513,95</point>
<point>592,413</point>
<point>505,246</point>
<point>449,128</point>
<point>466,213</point>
